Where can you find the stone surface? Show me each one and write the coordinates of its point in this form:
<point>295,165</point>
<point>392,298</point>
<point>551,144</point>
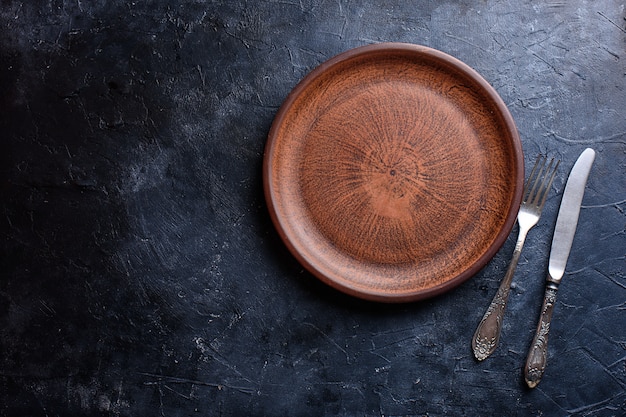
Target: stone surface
<point>141,274</point>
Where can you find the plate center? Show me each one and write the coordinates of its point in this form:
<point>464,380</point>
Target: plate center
<point>385,171</point>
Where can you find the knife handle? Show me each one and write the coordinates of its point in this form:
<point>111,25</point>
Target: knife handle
<point>538,353</point>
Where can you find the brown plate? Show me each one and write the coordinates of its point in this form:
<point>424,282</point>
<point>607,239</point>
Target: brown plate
<point>393,172</point>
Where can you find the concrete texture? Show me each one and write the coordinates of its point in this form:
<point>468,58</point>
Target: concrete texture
<point>140,272</point>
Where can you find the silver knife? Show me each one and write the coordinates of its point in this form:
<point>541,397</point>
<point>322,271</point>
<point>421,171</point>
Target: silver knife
<point>561,245</point>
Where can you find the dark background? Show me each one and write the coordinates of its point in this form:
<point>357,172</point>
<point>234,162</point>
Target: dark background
<point>141,274</point>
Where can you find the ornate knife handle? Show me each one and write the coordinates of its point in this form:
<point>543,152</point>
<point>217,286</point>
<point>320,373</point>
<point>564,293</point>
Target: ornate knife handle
<point>538,353</point>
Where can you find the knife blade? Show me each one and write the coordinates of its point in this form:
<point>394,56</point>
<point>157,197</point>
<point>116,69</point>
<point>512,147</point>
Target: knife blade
<point>564,231</point>
<point>567,219</point>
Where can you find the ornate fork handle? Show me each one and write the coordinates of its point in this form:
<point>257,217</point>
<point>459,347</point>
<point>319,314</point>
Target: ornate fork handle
<point>487,333</point>
<point>538,353</point>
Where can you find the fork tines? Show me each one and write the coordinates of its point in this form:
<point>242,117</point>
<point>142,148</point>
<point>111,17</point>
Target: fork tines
<point>540,180</point>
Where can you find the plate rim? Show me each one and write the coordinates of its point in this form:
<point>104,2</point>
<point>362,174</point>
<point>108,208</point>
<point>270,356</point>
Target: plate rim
<point>459,67</point>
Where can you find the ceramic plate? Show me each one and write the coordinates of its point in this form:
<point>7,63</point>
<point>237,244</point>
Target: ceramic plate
<point>393,172</point>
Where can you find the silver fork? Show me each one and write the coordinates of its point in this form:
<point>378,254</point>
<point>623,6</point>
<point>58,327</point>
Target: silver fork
<point>536,191</point>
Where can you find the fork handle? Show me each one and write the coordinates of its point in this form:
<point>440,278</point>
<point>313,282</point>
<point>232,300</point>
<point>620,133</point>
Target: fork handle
<point>538,353</point>
<point>487,333</point>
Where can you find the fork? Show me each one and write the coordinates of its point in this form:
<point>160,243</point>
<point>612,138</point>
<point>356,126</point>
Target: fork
<point>536,190</point>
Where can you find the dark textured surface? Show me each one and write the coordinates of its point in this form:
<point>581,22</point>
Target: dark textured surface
<point>141,275</point>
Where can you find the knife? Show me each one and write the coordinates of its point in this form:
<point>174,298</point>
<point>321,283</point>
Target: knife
<point>562,239</point>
